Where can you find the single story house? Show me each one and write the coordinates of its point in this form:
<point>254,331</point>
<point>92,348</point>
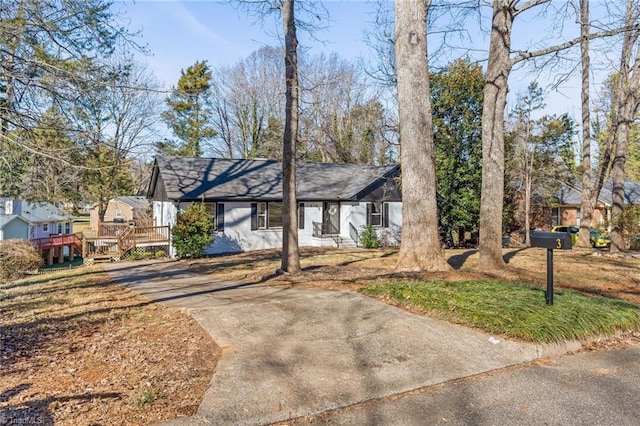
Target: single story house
<point>565,209</point>
<point>335,201</point>
<point>32,220</point>
<point>124,209</point>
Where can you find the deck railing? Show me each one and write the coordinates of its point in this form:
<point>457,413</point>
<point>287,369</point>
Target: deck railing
<point>326,230</point>
<point>149,234</point>
<point>127,238</point>
<point>100,247</point>
<point>56,241</point>
<point>354,234</point>
<point>112,230</point>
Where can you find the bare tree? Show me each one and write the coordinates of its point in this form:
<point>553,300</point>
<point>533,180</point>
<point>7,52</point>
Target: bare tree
<point>113,122</point>
<point>46,48</point>
<point>500,63</point>
<point>587,204</point>
<point>290,250</point>
<point>419,248</point>
<point>626,103</point>
<point>248,104</point>
<point>525,149</point>
<point>342,118</point>
<point>539,153</point>
<point>622,99</point>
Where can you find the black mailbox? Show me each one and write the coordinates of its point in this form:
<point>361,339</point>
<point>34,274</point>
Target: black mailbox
<point>551,240</point>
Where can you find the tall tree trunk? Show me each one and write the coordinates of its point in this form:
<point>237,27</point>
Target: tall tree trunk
<point>527,210</point>
<point>495,101</point>
<point>420,247</point>
<point>626,105</point>
<point>290,250</point>
<point>617,177</point>
<point>587,203</point>
<point>498,69</point>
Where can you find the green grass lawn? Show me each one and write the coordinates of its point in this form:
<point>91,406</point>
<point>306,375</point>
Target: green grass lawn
<point>515,311</point>
<point>81,224</point>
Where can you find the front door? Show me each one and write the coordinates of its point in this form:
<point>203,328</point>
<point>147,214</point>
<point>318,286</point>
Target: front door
<point>331,218</point>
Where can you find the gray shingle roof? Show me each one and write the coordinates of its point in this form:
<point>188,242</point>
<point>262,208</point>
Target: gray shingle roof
<point>6,218</point>
<point>631,192</point>
<point>135,202</point>
<point>572,194</point>
<point>226,179</point>
<point>568,195</point>
<point>36,212</point>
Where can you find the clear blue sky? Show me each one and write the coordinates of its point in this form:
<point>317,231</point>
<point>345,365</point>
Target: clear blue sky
<point>179,33</point>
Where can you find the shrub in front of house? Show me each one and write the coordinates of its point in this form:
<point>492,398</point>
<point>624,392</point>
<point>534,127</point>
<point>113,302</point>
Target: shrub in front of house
<point>369,238</point>
<point>193,231</point>
<point>16,258</point>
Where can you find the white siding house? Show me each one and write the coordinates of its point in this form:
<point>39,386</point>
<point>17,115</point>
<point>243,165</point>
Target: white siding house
<point>336,201</point>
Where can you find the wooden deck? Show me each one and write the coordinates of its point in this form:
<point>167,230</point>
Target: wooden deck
<point>114,242</point>
<point>53,246</point>
<point>56,241</point>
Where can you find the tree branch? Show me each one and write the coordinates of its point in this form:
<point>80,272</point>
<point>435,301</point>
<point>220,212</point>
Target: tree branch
<point>522,55</point>
<point>528,5</point>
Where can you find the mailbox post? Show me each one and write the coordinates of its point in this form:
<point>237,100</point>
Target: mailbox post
<point>550,241</point>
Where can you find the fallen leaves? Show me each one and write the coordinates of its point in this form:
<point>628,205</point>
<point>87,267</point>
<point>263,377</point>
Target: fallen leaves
<point>79,350</point>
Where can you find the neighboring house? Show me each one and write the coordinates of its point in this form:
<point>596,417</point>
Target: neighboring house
<point>335,201</point>
<point>31,220</point>
<point>566,206</point>
<point>124,209</point>
<point>13,226</point>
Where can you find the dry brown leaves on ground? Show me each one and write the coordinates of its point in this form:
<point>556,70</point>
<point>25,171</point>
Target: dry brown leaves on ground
<point>78,350</point>
<point>590,271</point>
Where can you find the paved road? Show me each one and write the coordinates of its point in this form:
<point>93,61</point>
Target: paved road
<point>348,359</point>
<point>596,388</point>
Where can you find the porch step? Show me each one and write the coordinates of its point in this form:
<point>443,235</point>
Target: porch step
<point>345,242</point>
<point>348,243</point>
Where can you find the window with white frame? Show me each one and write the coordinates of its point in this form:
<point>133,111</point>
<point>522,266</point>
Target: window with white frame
<point>375,214</point>
<point>216,210</point>
<point>266,215</point>
<point>378,214</point>
<point>211,209</point>
<point>45,227</point>
<point>262,215</point>
<point>118,213</point>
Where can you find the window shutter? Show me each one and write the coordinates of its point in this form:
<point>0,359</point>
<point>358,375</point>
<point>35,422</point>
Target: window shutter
<point>254,216</point>
<point>220,217</point>
<point>385,215</point>
<point>368,214</point>
<point>300,215</point>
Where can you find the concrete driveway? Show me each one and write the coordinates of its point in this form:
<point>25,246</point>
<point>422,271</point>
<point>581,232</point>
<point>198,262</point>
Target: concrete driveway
<point>290,352</point>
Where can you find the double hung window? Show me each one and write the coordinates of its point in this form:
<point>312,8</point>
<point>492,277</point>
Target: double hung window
<point>378,215</point>
<point>216,210</point>
<point>266,215</point>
